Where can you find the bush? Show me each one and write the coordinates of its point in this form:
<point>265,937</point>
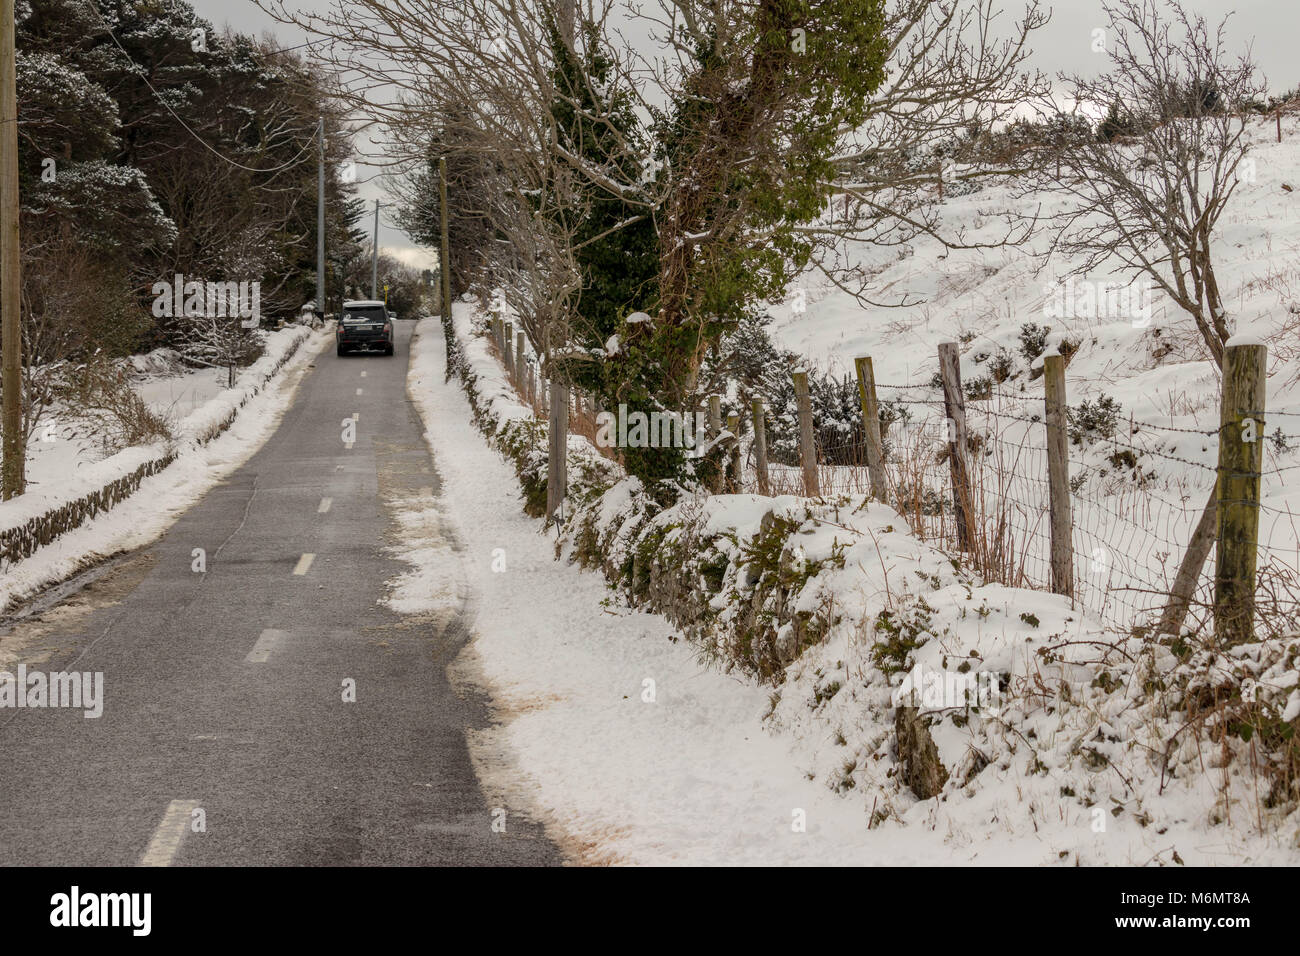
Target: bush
<point>1093,420</point>
<point>1033,340</point>
<point>1003,366</point>
<point>110,410</point>
<point>748,360</point>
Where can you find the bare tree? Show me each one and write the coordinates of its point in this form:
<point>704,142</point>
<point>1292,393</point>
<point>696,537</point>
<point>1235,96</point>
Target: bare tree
<point>954,67</point>
<point>1150,191</point>
<point>474,78</point>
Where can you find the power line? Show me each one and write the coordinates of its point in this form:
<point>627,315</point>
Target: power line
<point>202,142</point>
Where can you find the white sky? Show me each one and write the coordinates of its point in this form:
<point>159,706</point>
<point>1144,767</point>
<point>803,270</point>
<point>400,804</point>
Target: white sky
<point>1065,44</point>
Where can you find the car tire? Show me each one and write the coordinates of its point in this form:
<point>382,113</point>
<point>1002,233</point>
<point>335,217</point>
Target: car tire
<point>389,350</point>
<point>341,350</point>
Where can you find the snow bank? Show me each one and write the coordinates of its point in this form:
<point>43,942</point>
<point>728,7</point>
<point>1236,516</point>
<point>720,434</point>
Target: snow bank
<point>998,716</point>
<point>210,442</point>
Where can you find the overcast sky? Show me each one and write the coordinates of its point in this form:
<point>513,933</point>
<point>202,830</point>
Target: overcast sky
<point>1271,27</point>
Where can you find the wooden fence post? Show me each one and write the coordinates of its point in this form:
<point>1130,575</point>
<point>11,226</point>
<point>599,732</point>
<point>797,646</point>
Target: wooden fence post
<point>1241,458</point>
<point>733,457</point>
<point>532,386</point>
<point>954,403</point>
<point>508,356</point>
<point>807,445</point>
<point>871,427</point>
<point>1058,476</point>
<point>557,471</point>
<point>520,339</point>
<point>715,429</point>
<point>760,446</point>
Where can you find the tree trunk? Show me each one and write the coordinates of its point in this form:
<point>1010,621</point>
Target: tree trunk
<point>1189,572</point>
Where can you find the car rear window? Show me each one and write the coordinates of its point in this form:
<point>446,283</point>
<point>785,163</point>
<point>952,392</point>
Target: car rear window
<point>369,313</point>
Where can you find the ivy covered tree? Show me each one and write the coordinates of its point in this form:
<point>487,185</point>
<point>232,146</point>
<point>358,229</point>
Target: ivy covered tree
<point>749,142</point>
<point>721,146</point>
<point>615,244</point>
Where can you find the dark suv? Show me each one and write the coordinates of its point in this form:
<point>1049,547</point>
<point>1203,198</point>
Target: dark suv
<point>365,324</point>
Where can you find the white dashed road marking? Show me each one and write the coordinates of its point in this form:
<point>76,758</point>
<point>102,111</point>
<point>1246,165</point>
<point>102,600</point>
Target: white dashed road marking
<point>324,505</point>
<point>261,651</point>
<point>304,563</point>
<point>167,838</point>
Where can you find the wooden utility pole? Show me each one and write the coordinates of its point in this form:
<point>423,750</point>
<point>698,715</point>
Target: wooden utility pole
<point>444,255</point>
<point>807,444</point>
<point>954,403</point>
<point>557,417</point>
<point>871,427</point>
<point>374,260</point>
<point>557,471</point>
<point>320,218</point>
<point>1241,457</point>
<point>15,454</point>
<point>1058,476</point>
<point>760,447</point>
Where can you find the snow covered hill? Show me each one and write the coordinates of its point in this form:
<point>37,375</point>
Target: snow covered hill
<point>1142,487</point>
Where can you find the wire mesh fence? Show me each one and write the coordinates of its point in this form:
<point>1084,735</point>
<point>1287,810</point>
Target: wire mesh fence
<point>1137,491</point>
<point>1134,499</point>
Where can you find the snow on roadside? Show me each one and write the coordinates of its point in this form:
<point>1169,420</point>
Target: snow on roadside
<point>690,778</point>
<point>161,498</point>
<point>699,775</point>
<point>61,446</point>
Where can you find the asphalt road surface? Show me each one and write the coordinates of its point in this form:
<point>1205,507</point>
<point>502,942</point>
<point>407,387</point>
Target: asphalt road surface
<point>224,689</point>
